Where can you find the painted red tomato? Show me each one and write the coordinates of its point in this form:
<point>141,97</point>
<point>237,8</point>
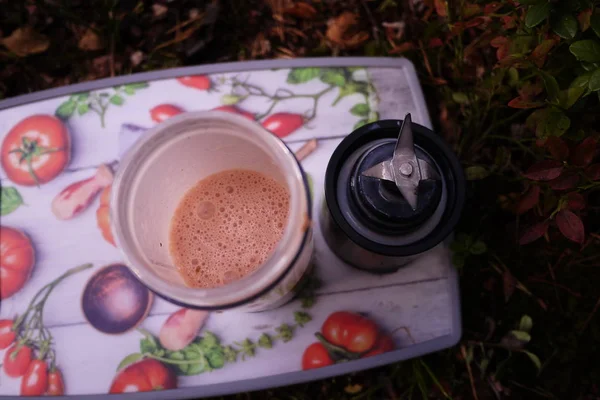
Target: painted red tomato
<point>351,331</point>
<point>16,261</point>
<point>235,110</point>
<point>282,124</point>
<point>7,333</point>
<point>163,112</point>
<point>17,360</point>
<point>200,82</point>
<point>316,356</point>
<point>144,376</point>
<point>36,150</point>
<point>384,344</point>
<point>35,380</point>
<point>56,385</point>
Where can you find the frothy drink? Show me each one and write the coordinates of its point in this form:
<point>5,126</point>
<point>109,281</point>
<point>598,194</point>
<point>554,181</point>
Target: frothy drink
<point>226,226</point>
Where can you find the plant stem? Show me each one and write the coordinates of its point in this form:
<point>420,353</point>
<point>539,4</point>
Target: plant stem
<point>170,361</point>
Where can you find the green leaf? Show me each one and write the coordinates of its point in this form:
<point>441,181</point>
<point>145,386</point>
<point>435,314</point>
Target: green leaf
<point>130,359</point>
<point>82,108</point>
<point>551,86</point>
<point>66,109</point>
<point>137,85</point>
<point>360,110</point>
<point>521,335</point>
<point>537,14</point>
<point>302,318</point>
<point>570,96</point>
<point>526,323</point>
<point>10,200</point>
<point>196,368</point>
<point>348,89</point>
<point>229,99</point>
<point>594,83</point>
<point>460,97</point>
<point>373,116</point>
<point>148,345</point>
<point>333,77</point>
<point>534,359</point>
<point>265,341</point>
<point>478,248</point>
<point>476,173</point>
<point>582,81</point>
<point>209,340</point>
<point>230,354</point>
<point>586,50</point>
<point>179,356</point>
<point>590,67</point>
<point>360,123</point>
<point>301,75</point>
<point>566,26</point>
<point>82,96</point>
<point>128,90</point>
<point>458,260</point>
<point>595,24</point>
<point>553,123</point>
<point>117,100</point>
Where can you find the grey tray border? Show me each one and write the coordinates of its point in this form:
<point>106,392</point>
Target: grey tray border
<point>289,378</point>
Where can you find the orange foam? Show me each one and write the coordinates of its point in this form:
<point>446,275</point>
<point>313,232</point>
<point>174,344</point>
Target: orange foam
<point>226,226</point>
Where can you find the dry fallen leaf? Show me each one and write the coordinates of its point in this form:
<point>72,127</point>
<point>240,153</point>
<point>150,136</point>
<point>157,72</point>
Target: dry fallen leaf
<point>24,41</point>
<point>90,41</point>
<point>342,31</point>
<point>301,10</point>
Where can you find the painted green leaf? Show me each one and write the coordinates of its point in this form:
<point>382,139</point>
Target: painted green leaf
<point>82,108</point>
<point>534,359</point>
<point>10,200</point>
<point>333,77</point>
<point>373,116</point>
<point>476,172</point>
<point>301,75</point>
<point>117,100</point>
<point>537,14</point>
<point>586,50</point>
<point>229,99</point>
<point>595,24</point>
<point>148,345</point>
<point>129,90</point>
<point>526,323</point>
<point>594,83</point>
<point>566,26</point>
<point>137,85</point>
<point>521,335</point>
<point>66,109</point>
<point>130,359</point>
<point>360,123</point>
<point>360,110</point>
<point>83,96</point>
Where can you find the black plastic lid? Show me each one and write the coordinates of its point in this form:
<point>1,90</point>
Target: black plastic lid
<point>380,205</point>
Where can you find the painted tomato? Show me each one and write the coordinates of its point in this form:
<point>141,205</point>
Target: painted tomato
<point>282,124</point>
<point>16,261</point>
<point>200,82</point>
<point>35,380</point>
<point>316,356</point>
<point>384,344</point>
<point>36,150</point>
<point>144,376</point>
<point>103,216</point>
<point>163,112</point>
<point>17,360</point>
<point>7,334</point>
<point>351,331</point>
<point>56,385</point>
<point>235,110</point>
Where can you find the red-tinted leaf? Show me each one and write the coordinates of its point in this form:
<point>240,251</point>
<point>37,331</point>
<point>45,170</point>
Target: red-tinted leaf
<point>584,19</point>
<point>457,27</point>
<point>509,22</point>
<point>475,22</point>
<point>545,170</point>
<point>492,8</point>
<point>584,153</point>
<point>529,200</point>
<point>570,226</point>
<point>529,90</point>
<point>534,233</point>
<point>538,55</point>
<point>564,182</point>
<point>557,148</point>
<point>593,172</point>
<point>440,7</point>
<point>509,284</point>
<point>519,102</point>
<point>575,201</point>
<point>498,41</point>
<point>435,42</point>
